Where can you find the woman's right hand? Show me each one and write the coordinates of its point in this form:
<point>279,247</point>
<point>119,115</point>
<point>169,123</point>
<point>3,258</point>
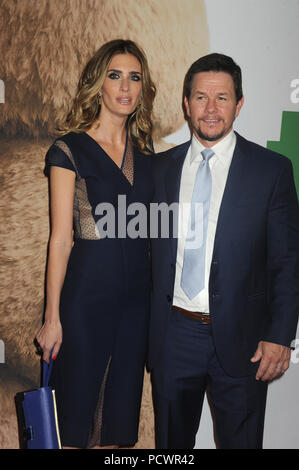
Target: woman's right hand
<point>50,337</point>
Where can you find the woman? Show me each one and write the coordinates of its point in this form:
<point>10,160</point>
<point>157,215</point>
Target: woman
<point>98,287</point>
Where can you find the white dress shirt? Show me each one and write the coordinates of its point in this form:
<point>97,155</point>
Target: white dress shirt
<point>219,165</point>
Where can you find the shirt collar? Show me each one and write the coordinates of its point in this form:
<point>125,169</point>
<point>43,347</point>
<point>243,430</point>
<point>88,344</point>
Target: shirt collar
<point>223,150</point>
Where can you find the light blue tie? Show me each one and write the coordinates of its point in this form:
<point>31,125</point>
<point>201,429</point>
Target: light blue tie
<point>193,273</point>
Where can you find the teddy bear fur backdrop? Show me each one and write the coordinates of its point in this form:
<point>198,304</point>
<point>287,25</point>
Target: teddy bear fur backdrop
<point>45,46</point>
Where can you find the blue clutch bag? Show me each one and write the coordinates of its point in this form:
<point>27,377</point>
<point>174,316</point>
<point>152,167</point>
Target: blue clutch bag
<point>40,422</point>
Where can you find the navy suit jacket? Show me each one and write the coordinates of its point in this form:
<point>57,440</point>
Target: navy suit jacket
<point>254,273</point>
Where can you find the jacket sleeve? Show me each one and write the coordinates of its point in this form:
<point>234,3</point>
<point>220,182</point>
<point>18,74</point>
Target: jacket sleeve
<point>283,259</point>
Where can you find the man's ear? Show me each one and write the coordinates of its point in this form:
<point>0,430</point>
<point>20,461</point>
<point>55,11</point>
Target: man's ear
<point>239,106</point>
<point>186,106</point>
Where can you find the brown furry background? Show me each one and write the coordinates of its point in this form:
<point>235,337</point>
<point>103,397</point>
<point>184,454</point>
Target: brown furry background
<point>44,46</point>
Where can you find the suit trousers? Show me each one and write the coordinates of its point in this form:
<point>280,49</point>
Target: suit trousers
<point>187,368</point>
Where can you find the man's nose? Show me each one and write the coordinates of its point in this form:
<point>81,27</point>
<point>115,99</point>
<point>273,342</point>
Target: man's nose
<point>211,106</point>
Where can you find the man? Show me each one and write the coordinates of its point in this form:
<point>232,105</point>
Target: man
<point>224,308</point>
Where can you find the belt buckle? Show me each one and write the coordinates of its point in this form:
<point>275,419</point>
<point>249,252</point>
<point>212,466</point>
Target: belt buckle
<point>205,319</point>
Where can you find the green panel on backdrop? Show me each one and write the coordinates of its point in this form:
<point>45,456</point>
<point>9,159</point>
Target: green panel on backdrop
<point>289,141</point>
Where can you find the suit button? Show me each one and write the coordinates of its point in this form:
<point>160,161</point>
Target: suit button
<point>168,299</point>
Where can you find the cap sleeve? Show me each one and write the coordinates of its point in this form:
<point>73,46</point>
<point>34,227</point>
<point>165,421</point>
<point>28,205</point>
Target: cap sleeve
<point>57,157</point>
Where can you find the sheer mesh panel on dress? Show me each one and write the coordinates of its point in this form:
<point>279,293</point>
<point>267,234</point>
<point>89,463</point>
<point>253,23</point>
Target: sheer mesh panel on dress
<point>96,431</point>
<point>85,226</point>
<point>128,166</point>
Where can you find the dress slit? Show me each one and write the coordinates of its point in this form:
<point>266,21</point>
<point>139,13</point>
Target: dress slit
<point>95,437</point>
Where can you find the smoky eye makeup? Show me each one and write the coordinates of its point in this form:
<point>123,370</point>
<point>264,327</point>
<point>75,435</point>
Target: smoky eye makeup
<point>113,75</point>
<point>136,76</point>
<point>116,74</point>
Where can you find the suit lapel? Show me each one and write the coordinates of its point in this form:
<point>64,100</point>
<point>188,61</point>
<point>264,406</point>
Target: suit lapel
<point>172,184</point>
<point>233,189</point>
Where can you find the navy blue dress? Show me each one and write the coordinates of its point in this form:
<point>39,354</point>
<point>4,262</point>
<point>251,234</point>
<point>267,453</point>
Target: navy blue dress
<point>104,306</point>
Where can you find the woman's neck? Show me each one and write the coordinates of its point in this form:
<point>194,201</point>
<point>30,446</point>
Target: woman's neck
<point>111,130</point>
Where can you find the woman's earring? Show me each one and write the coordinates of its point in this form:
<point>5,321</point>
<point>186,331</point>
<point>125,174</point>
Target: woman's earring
<point>137,107</point>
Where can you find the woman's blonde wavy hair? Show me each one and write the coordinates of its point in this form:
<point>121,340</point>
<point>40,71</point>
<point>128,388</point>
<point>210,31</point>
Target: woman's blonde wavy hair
<point>86,106</point>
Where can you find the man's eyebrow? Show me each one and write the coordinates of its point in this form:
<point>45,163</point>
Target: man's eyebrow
<point>199,92</point>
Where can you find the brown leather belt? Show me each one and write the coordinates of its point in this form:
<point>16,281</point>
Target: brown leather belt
<point>202,317</point>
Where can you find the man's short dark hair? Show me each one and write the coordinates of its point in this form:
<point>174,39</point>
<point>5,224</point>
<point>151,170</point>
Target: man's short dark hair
<point>215,63</point>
